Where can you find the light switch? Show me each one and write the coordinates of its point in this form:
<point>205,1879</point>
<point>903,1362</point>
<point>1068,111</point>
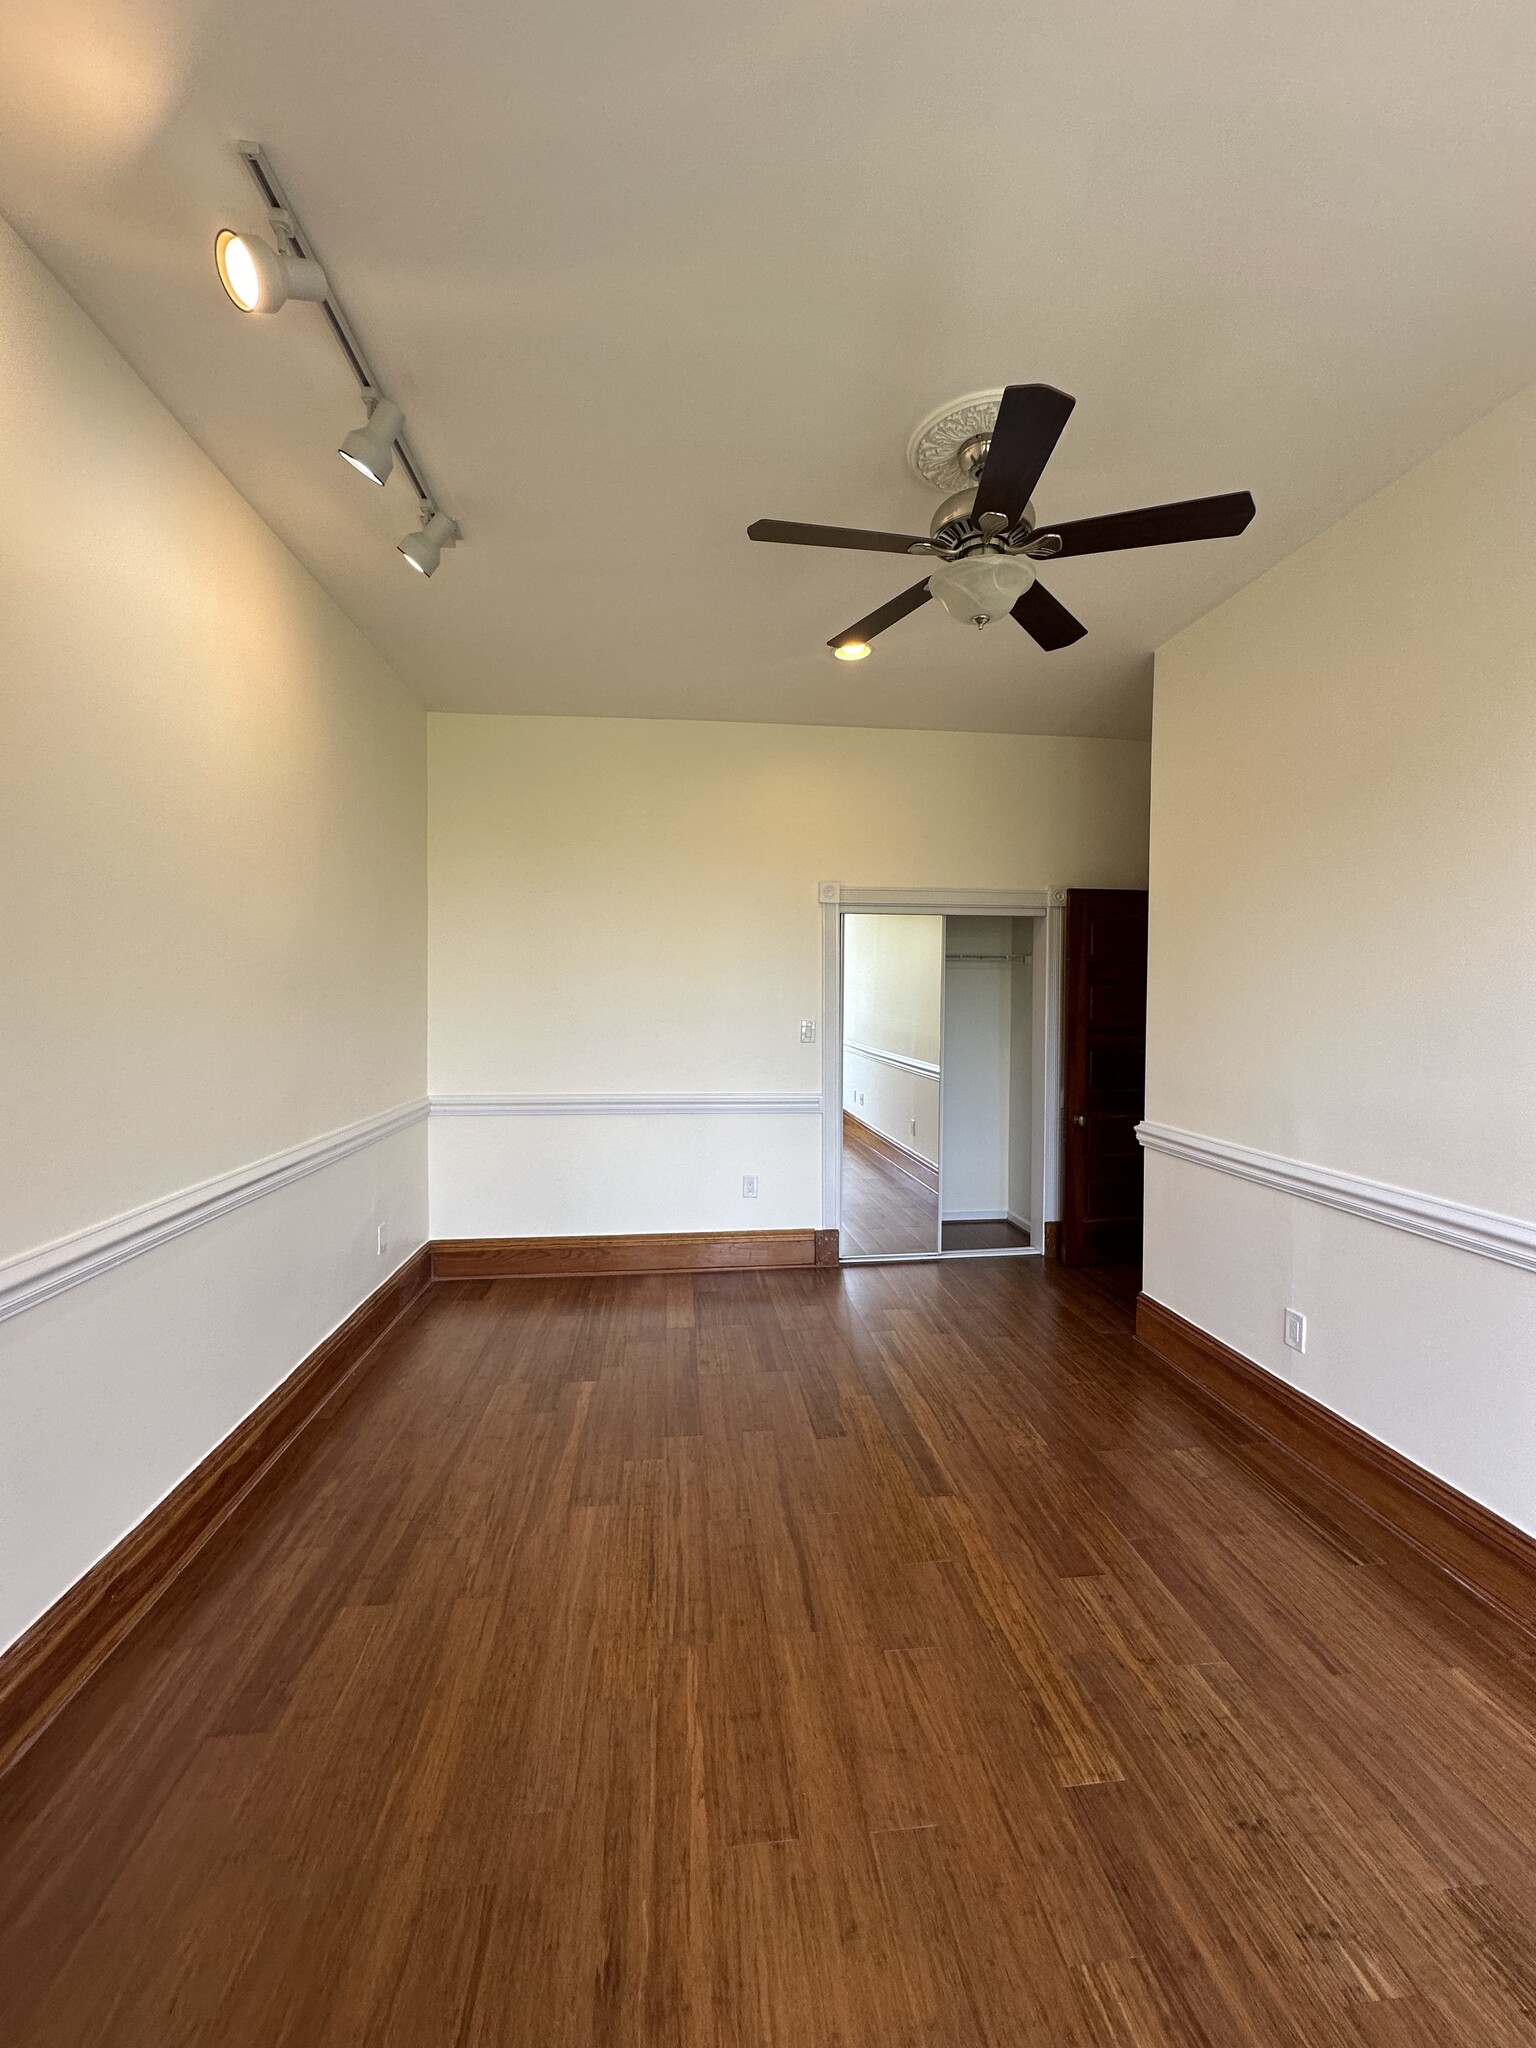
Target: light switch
<point>808,1031</point>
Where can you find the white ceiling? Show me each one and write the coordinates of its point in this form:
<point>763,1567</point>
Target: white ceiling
<point>642,273</point>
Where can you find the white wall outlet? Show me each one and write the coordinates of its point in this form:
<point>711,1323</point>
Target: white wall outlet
<point>1295,1329</point>
<point>808,1031</point>
<point>749,1187</point>
<point>383,1239</point>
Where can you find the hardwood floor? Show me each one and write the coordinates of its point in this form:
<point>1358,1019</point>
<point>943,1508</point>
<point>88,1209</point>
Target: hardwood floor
<point>884,1209</point>
<point>890,1655</point>
<point>992,1235</point>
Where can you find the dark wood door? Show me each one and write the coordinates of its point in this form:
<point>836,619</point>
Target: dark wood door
<point>1105,1075</point>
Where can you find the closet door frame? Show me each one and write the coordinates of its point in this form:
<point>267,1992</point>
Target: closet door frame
<point>1046,906</point>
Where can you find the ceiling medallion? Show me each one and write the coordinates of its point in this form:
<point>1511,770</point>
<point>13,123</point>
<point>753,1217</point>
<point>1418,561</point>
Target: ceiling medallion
<point>933,453</point>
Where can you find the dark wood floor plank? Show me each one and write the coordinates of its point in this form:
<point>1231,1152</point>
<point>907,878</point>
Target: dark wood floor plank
<point>871,1658</point>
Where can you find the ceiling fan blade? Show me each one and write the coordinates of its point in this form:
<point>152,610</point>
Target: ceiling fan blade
<point>1029,424</point>
<point>835,537</point>
<point>1046,619</point>
<point>888,614</point>
<point>1153,526</point>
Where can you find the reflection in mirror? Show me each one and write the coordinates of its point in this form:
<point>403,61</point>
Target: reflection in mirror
<point>893,980</point>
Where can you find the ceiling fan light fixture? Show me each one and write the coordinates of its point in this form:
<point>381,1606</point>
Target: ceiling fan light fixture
<point>258,279</point>
<point>981,588</point>
<point>851,650</point>
<point>371,449</point>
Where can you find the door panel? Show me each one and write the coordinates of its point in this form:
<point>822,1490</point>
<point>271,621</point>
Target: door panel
<point>1104,1068</point>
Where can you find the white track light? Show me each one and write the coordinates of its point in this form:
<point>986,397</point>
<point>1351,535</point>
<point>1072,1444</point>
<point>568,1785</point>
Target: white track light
<point>424,550</point>
<point>371,449</point>
<point>258,279</point>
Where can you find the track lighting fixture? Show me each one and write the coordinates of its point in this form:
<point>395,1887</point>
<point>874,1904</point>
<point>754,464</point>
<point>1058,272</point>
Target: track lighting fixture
<point>371,449</point>
<point>424,550</point>
<point>261,279</point>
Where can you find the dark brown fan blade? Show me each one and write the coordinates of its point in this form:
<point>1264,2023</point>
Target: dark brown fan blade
<point>888,614</point>
<point>834,537</point>
<point>1046,619</point>
<point>1154,526</point>
<point>1029,424</point>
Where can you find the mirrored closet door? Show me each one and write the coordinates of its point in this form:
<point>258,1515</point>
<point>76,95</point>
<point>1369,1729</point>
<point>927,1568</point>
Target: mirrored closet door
<point>893,998</point>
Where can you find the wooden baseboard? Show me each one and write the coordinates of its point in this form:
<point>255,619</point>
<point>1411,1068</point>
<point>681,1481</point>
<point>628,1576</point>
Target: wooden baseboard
<point>43,1669</point>
<point>857,1132</point>
<point>551,1258</point>
<point>1485,1555</point>
<point>829,1250</point>
<point>1052,1246</point>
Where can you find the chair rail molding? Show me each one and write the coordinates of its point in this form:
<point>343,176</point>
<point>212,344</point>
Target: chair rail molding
<point>895,1059</point>
<point>37,1276</point>
<point>1509,1239</point>
<point>626,1105</point>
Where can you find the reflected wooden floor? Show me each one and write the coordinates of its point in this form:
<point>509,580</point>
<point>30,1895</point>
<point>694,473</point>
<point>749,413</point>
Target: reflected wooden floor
<point>837,1659</point>
<point>884,1209</point>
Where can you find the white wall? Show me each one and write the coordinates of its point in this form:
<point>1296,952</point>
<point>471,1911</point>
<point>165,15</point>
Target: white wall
<point>894,1098</point>
<point>212,838</point>
<point>976,1084</point>
<point>627,906</point>
<point>893,970</point>
<point>1021,1131</point>
<point>1343,955</point>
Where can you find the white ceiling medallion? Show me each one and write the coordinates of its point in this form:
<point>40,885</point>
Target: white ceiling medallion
<point>933,453</point>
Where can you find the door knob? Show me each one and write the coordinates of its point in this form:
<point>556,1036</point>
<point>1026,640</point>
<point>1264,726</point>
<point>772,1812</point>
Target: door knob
<point>1080,1121</point>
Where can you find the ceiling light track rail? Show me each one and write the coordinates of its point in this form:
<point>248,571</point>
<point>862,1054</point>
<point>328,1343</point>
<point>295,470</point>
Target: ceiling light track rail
<point>293,241</point>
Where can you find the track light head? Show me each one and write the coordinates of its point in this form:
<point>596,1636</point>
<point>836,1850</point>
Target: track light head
<point>371,449</point>
<point>424,550</point>
<point>261,280</point>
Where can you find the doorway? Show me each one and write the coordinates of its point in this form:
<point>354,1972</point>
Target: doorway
<point>1105,1071</point>
<point>940,1055</point>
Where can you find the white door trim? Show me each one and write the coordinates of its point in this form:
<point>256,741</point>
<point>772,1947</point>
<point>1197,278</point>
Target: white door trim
<point>1045,1151</point>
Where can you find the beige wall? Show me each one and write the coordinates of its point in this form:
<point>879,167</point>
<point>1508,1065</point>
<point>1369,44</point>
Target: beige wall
<point>893,984</point>
<point>624,906</point>
<point>1343,969</point>
<point>212,913</point>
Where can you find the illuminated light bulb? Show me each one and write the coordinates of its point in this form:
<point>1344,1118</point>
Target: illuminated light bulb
<point>851,650</point>
<point>258,279</point>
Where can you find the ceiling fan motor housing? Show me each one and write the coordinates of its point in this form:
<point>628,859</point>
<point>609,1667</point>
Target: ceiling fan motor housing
<point>983,587</point>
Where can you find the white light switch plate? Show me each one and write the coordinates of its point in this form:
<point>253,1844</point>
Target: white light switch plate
<point>1295,1329</point>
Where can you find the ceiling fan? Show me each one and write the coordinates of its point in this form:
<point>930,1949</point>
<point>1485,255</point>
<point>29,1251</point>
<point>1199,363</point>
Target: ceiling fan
<point>986,536</point>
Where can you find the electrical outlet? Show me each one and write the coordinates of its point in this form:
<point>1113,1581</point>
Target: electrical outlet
<point>749,1187</point>
<point>383,1239</point>
<point>1295,1329</point>
<point>808,1031</point>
